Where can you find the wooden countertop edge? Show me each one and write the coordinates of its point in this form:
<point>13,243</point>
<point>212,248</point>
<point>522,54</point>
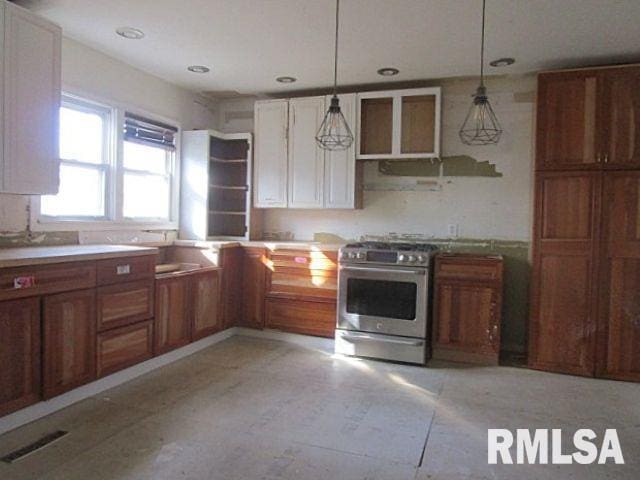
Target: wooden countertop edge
<point>42,258</point>
<point>271,245</point>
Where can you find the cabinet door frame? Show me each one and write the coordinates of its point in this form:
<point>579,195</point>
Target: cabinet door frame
<point>262,199</point>
<point>587,248</point>
<point>542,159</point>
<point>183,282</point>
<point>197,334</point>
<point>396,136</point>
<point>316,105</point>
<point>52,386</point>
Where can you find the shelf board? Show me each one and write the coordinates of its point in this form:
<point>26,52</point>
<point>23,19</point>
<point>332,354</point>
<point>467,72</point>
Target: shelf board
<point>223,212</point>
<point>225,160</point>
<point>230,187</point>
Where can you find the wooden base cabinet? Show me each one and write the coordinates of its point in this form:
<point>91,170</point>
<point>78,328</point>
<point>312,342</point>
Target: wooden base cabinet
<point>254,274</point>
<point>301,316</point>
<point>123,347</point>
<point>205,303</point>
<point>19,354</point>
<point>467,308</point>
<point>69,350</point>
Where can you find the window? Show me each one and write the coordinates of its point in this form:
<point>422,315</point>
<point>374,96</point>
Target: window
<point>84,163</point>
<point>112,176</point>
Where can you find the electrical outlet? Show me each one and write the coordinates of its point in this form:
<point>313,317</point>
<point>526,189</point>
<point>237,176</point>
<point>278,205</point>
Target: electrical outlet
<point>452,230</point>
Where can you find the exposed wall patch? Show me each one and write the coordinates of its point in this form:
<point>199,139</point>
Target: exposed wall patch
<point>466,166</point>
<point>420,167</point>
<point>452,166</point>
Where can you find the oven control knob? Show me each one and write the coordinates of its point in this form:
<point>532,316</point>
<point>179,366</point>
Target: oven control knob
<point>344,255</point>
<point>402,258</point>
<point>352,255</point>
<point>412,258</point>
<point>360,255</point>
<point>422,259</point>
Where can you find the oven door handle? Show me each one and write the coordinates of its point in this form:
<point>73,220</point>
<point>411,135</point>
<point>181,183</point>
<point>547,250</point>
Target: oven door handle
<point>355,336</point>
<point>384,270</point>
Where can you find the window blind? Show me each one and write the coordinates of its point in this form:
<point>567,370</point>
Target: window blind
<point>150,132</point>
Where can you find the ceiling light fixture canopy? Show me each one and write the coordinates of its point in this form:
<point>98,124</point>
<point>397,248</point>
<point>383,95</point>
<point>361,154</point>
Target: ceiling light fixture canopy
<point>334,132</point>
<point>286,79</point>
<point>502,62</point>
<point>481,126</point>
<point>130,33</point>
<point>388,71</point>
<point>198,69</point>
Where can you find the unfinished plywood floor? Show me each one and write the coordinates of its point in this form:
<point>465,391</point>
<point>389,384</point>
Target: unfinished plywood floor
<point>251,408</point>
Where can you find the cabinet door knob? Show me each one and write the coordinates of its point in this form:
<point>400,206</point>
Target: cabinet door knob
<point>598,159</point>
<point>606,158</point>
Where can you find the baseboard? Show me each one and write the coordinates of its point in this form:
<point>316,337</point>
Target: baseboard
<point>41,409</point>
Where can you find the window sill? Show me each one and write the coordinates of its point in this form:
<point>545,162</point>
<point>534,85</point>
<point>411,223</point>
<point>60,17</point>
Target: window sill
<point>92,225</point>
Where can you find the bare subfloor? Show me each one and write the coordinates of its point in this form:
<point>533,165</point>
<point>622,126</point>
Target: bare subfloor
<point>251,408</point>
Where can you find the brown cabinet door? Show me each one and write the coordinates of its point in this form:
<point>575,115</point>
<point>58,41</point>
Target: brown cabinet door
<point>172,328</point>
<point>124,304</point>
<point>467,320</point>
<point>567,120</point>
<point>123,347</point>
<point>621,112</point>
<point>619,352</point>
<point>301,316</point>
<point>69,354</point>
<point>564,286</point>
<point>205,299</point>
<point>19,354</point>
<point>253,286</point>
<point>231,286</point>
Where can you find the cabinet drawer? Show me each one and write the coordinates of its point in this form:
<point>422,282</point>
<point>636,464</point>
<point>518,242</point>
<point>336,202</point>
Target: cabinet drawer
<point>125,346</point>
<point>467,267</point>
<point>126,269</point>
<point>303,283</point>
<point>58,277</point>
<point>304,259</point>
<point>124,304</point>
<point>310,318</point>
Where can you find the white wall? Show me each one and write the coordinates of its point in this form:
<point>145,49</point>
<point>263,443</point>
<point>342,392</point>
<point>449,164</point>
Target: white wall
<point>95,75</point>
<point>483,208</point>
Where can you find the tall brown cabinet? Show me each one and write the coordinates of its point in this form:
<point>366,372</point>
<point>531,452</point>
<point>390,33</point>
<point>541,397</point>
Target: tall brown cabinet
<point>585,305</point>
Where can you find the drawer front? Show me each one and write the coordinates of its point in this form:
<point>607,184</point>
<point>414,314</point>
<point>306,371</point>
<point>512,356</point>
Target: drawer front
<point>310,318</point>
<point>468,268</point>
<point>126,269</point>
<point>296,283</point>
<point>124,304</point>
<point>309,260</point>
<point>46,279</point>
<point>122,347</point>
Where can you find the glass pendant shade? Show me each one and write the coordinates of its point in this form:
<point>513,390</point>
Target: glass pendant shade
<point>334,132</point>
<point>481,126</point>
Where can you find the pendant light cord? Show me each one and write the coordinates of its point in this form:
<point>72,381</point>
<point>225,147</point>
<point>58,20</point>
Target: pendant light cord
<point>481,47</point>
<point>335,57</point>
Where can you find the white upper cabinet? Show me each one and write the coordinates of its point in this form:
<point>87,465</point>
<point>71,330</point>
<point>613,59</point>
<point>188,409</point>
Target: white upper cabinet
<point>309,177</point>
<point>340,165</point>
<point>270,171</point>
<point>306,158</point>
<point>30,103</point>
<point>399,124</point>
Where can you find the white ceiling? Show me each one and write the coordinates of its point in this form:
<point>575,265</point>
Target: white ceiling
<point>248,43</point>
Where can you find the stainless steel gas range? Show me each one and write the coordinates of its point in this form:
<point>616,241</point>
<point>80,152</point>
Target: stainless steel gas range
<point>383,301</point>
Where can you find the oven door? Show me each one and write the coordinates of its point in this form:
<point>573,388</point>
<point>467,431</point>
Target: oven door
<point>381,299</point>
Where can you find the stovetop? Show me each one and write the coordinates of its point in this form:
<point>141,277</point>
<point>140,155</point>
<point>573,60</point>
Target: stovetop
<point>388,253</point>
<point>393,246</point>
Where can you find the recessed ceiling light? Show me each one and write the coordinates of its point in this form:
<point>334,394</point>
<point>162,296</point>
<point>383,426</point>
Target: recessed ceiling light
<point>130,33</point>
<point>286,79</point>
<point>503,62</point>
<point>198,68</point>
<point>388,71</point>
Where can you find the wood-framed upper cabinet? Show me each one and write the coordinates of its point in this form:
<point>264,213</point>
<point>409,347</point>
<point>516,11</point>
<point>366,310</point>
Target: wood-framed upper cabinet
<point>270,166</point>
<point>30,63</point>
<point>568,121</point>
<point>69,348</point>
<point>565,272</point>
<point>399,124</point>
<point>621,117</point>
<point>619,328</point>
<point>20,356</point>
<point>340,167</point>
<point>305,157</point>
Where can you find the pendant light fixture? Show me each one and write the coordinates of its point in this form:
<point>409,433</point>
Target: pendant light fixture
<point>481,126</point>
<point>334,132</point>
